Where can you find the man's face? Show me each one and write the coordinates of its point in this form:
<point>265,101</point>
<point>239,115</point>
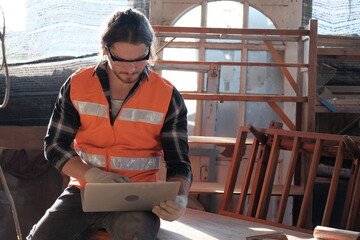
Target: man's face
<point>126,60</point>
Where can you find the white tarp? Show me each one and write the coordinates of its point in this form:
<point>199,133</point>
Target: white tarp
<point>40,29</point>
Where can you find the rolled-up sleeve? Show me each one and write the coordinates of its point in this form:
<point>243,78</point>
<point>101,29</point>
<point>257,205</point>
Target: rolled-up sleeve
<point>62,129</point>
<point>175,139</point>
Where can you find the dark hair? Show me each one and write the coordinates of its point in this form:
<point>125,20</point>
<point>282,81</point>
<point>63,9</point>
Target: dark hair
<point>129,26</point>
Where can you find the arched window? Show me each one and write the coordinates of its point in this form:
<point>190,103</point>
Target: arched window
<point>232,79</point>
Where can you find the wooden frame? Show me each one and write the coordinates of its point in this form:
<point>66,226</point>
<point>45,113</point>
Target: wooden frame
<point>303,87</point>
<point>262,167</point>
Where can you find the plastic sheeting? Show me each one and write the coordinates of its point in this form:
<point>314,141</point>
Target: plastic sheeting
<point>41,29</point>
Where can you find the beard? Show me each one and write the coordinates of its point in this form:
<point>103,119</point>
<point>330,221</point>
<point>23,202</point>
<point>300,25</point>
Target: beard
<point>128,78</point>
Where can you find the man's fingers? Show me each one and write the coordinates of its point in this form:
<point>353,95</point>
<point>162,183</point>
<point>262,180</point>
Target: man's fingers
<point>170,206</point>
<point>171,210</point>
<point>162,213</point>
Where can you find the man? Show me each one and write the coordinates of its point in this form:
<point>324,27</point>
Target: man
<point>115,122</point>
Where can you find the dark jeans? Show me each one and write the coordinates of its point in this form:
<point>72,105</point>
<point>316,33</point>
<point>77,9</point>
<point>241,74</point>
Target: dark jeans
<point>65,220</point>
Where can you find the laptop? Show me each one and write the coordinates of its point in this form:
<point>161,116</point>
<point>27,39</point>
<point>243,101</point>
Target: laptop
<point>143,196</point>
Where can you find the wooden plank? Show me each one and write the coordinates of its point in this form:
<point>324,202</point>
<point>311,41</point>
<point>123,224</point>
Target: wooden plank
<point>338,51</point>
<point>333,185</point>
<point>344,89</point>
<point>312,74</point>
<point>215,140</point>
<point>276,32</point>
<point>353,187</point>
<point>311,135</point>
<point>304,210</point>
<point>239,152</point>
<point>284,70</point>
<point>210,107</point>
<point>253,64</point>
<point>282,115</point>
<point>226,36</point>
<point>288,180</point>
<point>355,204</point>
<point>219,188</point>
<point>248,174</point>
<point>265,195</point>
<point>198,225</point>
<point>258,179</point>
<point>265,222</point>
<point>221,45</point>
<point>183,67</point>
<point>334,40</point>
<point>239,97</point>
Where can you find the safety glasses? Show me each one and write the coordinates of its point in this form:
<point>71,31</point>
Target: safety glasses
<point>116,59</point>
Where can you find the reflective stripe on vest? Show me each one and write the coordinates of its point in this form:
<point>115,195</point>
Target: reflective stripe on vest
<point>122,163</point>
<point>129,114</point>
<point>93,109</point>
<point>149,163</point>
<point>95,160</point>
<point>141,115</point>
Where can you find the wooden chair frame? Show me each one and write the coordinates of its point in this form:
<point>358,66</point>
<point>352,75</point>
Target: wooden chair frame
<point>261,170</point>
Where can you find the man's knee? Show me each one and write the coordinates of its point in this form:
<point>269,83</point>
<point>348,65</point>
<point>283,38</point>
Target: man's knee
<point>133,225</point>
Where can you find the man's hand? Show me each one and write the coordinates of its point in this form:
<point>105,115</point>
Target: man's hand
<point>171,210</point>
<point>96,175</point>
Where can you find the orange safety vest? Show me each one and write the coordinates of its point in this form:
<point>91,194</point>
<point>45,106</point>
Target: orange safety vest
<point>131,146</point>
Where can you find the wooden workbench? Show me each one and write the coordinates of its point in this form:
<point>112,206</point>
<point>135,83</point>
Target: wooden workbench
<point>200,225</point>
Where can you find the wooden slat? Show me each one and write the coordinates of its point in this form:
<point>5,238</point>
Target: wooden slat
<point>351,146</point>
<point>288,179</point>
<point>354,213</point>
<point>306,203</point>
<point>312,74</point>
<point>269,179</point>
<point>262,184</point>
<point>333,185</point>
<point>253,64</point>
<point>201,225</point>
<point>248,174</point>
<point>282,115</point>
<point>227,36</point>
<point>219,188</point>
<point>339,51</point>
<point>258,179</point>
<point>284,70</point>
<point>276,32</point>
<point>239,151</point>
<point>215,140</point>
<point>239,97</point>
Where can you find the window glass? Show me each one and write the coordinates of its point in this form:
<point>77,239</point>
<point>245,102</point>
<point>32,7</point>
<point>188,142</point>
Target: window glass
<point>263,80</point>
<point>182,80</point>
<point>229,80</point>
<point>258,20</point>
<point>192,18</point>
<point>224,14</point>
<point>260,114</point>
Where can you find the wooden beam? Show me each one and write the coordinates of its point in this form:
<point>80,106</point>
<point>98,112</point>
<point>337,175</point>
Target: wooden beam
<point>333,185</point>
<point>312,74</point>
<point>254,64</point>
<point>282,115</point>
<point>276,32</point>
<point>339,51</point>
<point>227,36</point>
<point>288,180</point>
<point>284,70</point>
<point>304,210</point>
<point>240,97</point>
